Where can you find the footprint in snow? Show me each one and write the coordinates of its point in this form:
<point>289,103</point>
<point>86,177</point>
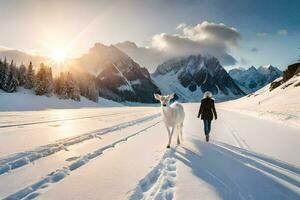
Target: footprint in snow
<point>159,183</point>
<point>72,158</point>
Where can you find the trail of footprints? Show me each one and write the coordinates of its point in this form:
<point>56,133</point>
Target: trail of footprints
<point>159,183</point>
<point>31,191</point>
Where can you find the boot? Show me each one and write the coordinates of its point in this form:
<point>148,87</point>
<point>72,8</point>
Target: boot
<point>207,138</point>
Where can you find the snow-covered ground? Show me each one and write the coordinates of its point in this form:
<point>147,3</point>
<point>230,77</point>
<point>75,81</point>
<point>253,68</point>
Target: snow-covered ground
<point>119,153</point>
<point>281,104</point>
<point>26,100</point>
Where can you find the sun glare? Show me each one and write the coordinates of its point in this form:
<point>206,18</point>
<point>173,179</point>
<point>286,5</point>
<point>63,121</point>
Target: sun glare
<point>58,55</point>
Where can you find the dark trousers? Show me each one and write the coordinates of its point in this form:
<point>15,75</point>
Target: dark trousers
<point>207,126</point>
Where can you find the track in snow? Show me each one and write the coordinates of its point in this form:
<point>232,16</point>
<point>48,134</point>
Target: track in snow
<point>57,175</point>
<point>239,141</point>
<point>159,183</point>
<point>18,160</point>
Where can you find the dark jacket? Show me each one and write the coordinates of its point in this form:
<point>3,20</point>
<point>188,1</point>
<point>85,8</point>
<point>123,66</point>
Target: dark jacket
<point>207,109</point>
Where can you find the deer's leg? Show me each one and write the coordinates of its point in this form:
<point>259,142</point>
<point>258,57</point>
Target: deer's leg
<point>181,125</point>
<point>170,136</point>
<point>168,129</point>
<point>178,133</point>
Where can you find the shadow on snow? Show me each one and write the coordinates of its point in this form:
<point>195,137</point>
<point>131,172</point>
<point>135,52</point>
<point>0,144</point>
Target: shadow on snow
<point>236,173</point>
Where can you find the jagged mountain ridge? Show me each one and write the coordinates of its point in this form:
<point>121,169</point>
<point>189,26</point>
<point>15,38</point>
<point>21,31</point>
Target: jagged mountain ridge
<point>189,77</point>
<point>118,77</point>
<point>252,79</point>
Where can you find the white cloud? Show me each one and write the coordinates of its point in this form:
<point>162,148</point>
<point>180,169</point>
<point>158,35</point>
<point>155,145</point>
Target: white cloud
<point>146,56</point>
<point>204,38</point>
<point>180,26</point>
<point>212,31</point>
<point>282,32</point>
<point>177,45</point>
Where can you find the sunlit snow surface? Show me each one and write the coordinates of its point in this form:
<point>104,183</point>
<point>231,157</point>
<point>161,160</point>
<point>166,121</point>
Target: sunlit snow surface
<point>281,104</point>
<point>119,153</point>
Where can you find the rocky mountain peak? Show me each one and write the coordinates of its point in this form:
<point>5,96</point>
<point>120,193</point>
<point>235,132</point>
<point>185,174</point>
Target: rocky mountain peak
<point>252,68</point>
<point>192,64</point>
<point>191,76</point>
<point>118,76</point>
<point>253,78</point>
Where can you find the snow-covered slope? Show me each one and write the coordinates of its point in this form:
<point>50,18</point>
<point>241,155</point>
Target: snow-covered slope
<point>282,103</point>
<point>252,79</point>
<point>190,77</point>
<point>24,100</point>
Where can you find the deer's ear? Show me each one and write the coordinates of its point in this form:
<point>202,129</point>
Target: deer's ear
<point>171,96</point>
<point>157,96</point>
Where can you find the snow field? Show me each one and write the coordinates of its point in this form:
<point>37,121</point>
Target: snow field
<point>116,173</point>
<point>30,136</point>
<point>62,152</point>
<point>15,161</point>
<point>60,174</point>
<point>124,157</point>
<point>26,100</point>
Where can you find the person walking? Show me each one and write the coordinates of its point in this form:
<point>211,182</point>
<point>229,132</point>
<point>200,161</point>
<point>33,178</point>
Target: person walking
<point>207,111</point>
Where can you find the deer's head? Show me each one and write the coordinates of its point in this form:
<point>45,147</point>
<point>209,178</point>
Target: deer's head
<point>164,99</point>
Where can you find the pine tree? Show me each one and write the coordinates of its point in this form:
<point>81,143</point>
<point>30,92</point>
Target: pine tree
<point>49,81</point>
<point>92,91</point>
<point>5,76</point>
<point>58,82</point>
<point>76,92</point>
<point>9,80</point>
<point>41,81</point>
<point>60,86</point>
<point>72,87</point>
<point>13,82</point>
<point>30,77</point>
<point>64,87</point>
<point>87,86</point>
<point>83,86</point>
<point>22,75</point>
<point>2,69</point>
<point>44,81</point>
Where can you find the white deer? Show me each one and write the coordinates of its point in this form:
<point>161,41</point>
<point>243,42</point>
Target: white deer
<point>173,116</point>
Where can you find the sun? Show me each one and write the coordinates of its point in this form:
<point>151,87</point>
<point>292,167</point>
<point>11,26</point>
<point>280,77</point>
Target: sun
<point>59,55</point>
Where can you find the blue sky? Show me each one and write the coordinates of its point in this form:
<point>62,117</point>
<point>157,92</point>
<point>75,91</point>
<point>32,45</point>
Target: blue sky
<point>269,31</point>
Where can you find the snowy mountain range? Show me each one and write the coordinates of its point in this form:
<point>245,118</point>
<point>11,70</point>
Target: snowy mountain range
<point>119,78</point>
<point>189,77</point>
<point>252,79</point>
<point>277,101</point>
